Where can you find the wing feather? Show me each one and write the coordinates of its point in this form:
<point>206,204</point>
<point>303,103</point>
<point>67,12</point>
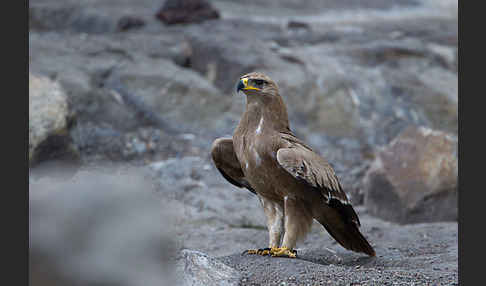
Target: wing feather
<point>337,215</point>
<point>307,166</point>
<point>314,170</point>
<point>227,163</point>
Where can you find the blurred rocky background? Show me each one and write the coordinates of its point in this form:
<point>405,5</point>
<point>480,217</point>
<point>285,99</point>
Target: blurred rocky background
<point>126,97</point>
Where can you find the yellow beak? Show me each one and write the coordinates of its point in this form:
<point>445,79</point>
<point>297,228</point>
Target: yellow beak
<point>243,85</point>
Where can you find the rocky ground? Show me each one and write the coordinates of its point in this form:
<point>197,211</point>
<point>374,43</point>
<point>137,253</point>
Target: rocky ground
<point>123,105</point>
<point>184,204</point>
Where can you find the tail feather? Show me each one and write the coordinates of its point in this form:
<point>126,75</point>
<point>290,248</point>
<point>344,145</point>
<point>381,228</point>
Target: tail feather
<point>345,229</point>
<point>350,238</point>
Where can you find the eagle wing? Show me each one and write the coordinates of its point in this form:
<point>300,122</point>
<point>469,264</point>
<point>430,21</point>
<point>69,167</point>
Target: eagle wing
<point>307,166</point>
<point>336,214</point>
<point>227,163</point>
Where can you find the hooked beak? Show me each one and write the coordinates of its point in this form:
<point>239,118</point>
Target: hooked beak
<point>240,86</point>
<point>243,85</point>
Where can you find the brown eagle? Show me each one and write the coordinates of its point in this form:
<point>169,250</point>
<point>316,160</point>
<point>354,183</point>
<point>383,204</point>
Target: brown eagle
<point>294,184</point>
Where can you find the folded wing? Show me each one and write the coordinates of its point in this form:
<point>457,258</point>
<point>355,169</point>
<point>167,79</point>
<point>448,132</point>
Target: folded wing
<point>227,163</point>
<point>336,213</point>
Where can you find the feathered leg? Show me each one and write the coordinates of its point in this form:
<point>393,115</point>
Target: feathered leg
<point>275,221</point>
<point>274,211</point>
<point>298,221</point>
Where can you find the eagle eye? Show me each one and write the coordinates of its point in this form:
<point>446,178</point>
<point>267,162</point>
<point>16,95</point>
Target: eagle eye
<point>259,83</point>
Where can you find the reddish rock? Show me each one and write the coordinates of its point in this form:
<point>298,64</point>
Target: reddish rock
<point>186,11</point>
<point>414,178</point>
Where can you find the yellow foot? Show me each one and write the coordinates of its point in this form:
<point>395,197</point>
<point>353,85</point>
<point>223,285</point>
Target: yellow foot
<point>261,251</point>
<point>283,252</point>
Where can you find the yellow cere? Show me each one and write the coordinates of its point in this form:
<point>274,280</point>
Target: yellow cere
<point>248,87</point>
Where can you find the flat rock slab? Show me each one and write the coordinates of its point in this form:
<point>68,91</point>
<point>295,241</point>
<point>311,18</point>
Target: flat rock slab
<point>283,271</point>
<point>420,254</point>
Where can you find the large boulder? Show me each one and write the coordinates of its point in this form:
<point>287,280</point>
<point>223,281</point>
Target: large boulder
<point>181,97</point>
<point>49,118</point>
<point>102,227</point>
<point>414,178</point>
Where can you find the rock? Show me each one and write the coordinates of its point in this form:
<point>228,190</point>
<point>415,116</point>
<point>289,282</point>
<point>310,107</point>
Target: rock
<point>99,74</point>
<point>353,75</point>
<point>181,97</point>
<point>416,254</point>
<point>49,118</point>
<point>414,178</point>
<point>222,55</point>
<point>346,106</point>
<point>291,8</point>
<point>102,227</point>
<point>142,100</point>
<point>199,269</point>
<point>186,11</point>
<point>102,142</point>
<point>68,17</point>
<point>349,87</point>
<point>84,77</point>
<point>129,23</point>
<point>174,170</point>
<point>298,25</point>
<point>192,180</point>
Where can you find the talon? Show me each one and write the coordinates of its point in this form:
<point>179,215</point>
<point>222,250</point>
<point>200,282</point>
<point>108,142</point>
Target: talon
<point>250,251</point>
<point>283,252</point>
<point>261,251</point>
<point>264,251</point>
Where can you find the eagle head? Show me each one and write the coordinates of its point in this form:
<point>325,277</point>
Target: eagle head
<point>256,83</point>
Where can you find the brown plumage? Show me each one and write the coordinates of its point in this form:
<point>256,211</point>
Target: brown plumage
<point>294,184</point>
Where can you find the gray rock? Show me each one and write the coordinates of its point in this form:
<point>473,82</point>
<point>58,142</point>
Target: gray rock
<point>417,254</point>
<point>156,86</point>
<point>414,178</point>
<point>95,17</point>
<point>174,170</point>
<point>70,17</point>
<point>49,116</point>
<point>221,53</point>
<point>128,22</point>
<point>178,95</point>
<point>106,115</point>
<point>81,75</point>
<point>369,88</point>
<point>404,252</point>
<point>353,79</point>
<point>199,269</point>
<point>102,227</point>
<point>310,7</point>
<point>208,198</point>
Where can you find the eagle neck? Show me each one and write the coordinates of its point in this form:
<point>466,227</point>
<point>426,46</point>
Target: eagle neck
<point>268,112</point>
